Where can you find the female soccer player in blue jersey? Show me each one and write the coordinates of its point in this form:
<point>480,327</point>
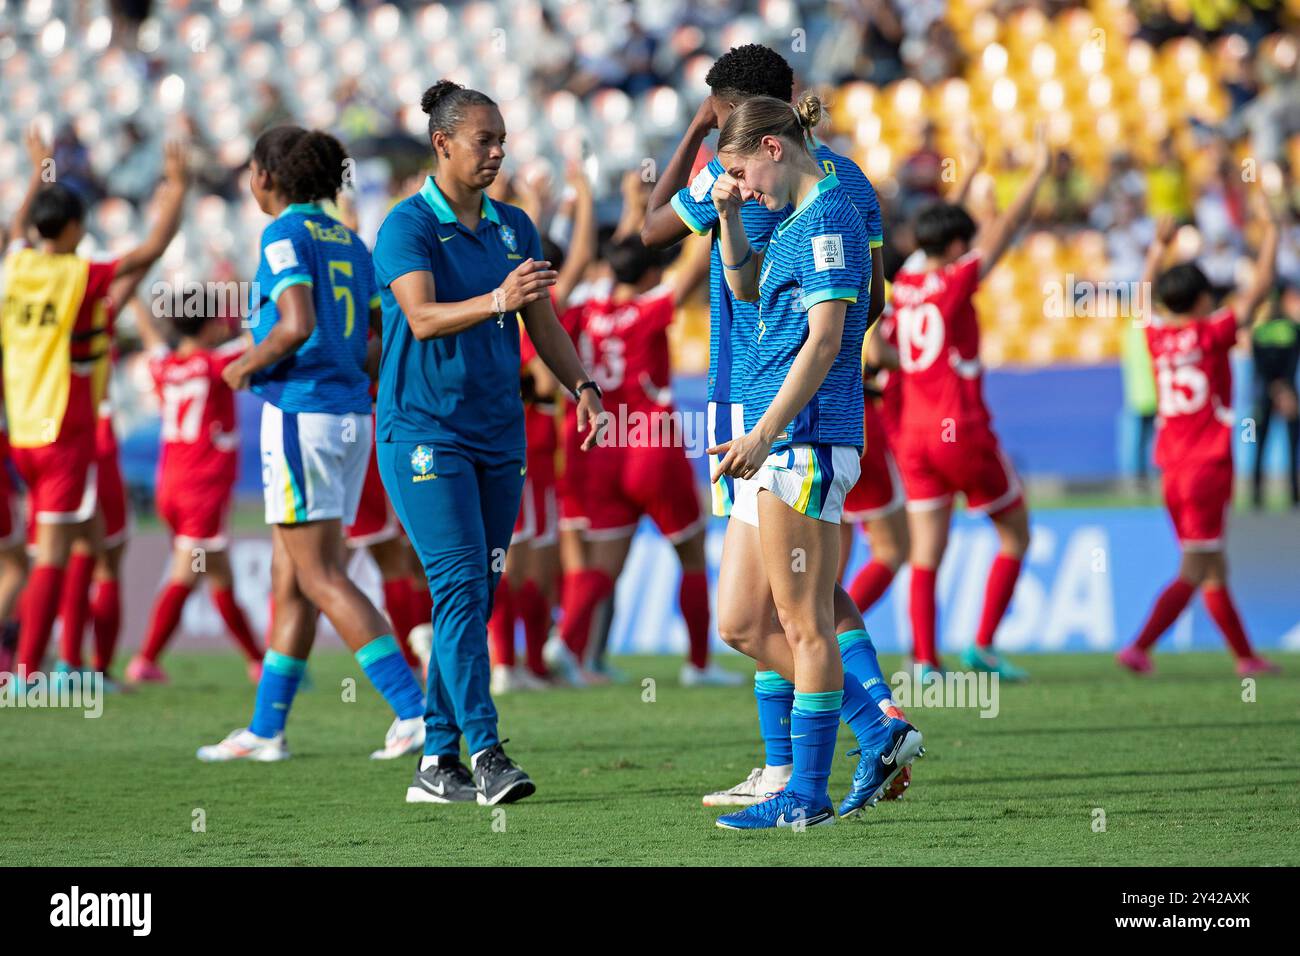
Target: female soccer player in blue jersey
<point>313,300</point>
<point>455,269</point>
<point>802,396</point>
<point>751,627</point>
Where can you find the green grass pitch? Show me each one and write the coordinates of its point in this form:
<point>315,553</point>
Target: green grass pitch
<point>1186,772</point>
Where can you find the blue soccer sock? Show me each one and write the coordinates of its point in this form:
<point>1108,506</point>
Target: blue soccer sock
<point>866,692</point>
<point>281,675</point>
<point>814,722</point>
<point>775,697</point>
<point>387,669</point>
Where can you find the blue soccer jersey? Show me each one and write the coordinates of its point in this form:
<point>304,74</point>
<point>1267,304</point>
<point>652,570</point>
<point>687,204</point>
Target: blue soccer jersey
<point>731,329</point>
<point>462,389</point>
<point>304,246</point>
<point>821,252</point>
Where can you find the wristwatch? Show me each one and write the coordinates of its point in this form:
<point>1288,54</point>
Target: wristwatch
<point>588,384</point>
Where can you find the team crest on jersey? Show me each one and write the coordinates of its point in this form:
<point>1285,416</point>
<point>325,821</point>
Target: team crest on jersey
<point>422,463</point>
<point>508,237</point>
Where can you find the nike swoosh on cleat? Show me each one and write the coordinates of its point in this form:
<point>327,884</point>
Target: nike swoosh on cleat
<point>440,789</point>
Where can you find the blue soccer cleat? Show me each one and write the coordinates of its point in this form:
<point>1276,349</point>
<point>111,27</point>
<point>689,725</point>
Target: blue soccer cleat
<point>877,767</point>
<point>783,809</point>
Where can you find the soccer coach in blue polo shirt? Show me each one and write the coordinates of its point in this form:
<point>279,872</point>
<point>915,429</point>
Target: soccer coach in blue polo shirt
<point>455,269</point>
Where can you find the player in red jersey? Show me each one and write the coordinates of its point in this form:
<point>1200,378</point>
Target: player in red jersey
<point>1189,346</point>
<point>197,470</point>
<point>56,326</point>
<point>639,466</point>
<point>876,501</point>
<point>13,554</point>
<point>946,442</point>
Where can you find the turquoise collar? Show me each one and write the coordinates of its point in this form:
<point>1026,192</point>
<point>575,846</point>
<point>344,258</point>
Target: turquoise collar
<point>442,209</point>
<point>824,185</point>
<point>302,209</point>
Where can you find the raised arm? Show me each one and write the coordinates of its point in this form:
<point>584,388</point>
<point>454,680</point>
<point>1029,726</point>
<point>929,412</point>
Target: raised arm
<point>1261,283</point>
<point>662,226</point>
<point>993,239</point>
<point>170,199</point>
<point>151,336</point>
<point>582,247</point>
<point>41,156</point>
<point>971,159</point>
<point>555,349</point>
<point>430,319</point>
<point>740,262</point>
<point>1165,229</point>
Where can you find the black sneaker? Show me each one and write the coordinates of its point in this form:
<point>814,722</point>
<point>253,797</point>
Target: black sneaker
<point>499,780</point>
<point>448,782</point>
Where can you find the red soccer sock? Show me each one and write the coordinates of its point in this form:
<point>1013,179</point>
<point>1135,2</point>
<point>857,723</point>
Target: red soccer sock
<point>532,606</point>
<point>870,584</point>
<point>997,595</point>
<point>1219,603</point>
<point>400,607</point>
<point>693,595</point>
<point>1168,606</point>
<point>106,617</point>
<point>164,618</point>
<point>583,592</point>
<point>236,622</point>
<point>39,608</point>
<point>924,650</point>
<point>74,607</point>
<point>501,626</point>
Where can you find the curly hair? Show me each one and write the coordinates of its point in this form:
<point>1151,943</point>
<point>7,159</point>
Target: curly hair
<point>305,165</point>
<point>751,70</point>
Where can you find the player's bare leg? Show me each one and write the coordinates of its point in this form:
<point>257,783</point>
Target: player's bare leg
<point>928,531</point>
<point>1012,526</point>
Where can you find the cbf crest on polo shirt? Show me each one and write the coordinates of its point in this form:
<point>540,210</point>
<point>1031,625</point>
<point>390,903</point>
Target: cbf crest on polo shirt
<point>509,238</point>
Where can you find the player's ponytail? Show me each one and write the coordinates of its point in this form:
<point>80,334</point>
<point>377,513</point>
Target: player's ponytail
<point>446,103</point>
<point>304,165</point>
<point>761,116</point>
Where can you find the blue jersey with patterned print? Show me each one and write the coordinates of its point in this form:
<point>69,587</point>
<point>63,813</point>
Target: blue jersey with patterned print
<point>731,329</point>
<point>305,246</point>
<point>820,253</point>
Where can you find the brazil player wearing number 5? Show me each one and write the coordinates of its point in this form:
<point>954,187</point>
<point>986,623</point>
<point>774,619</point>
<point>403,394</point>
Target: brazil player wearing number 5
<point>314,300</point>
<point>803,400</point>
<point>1189,342</point>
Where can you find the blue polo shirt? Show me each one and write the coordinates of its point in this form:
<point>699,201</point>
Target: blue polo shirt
<point>463,389</point>
<point>305,246</point>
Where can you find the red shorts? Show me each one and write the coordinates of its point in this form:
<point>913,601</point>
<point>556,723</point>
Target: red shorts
<point>622,484</point>
<point>111,491</point>
<point>568,483</point>
<point>935,470</point>
<point>375,519</point>
<point>1197,495</point>
<point>11,528</point>
<point>196,513</point>
<point>879,490</point>
<point>539,514</point>
<point>60,479</point>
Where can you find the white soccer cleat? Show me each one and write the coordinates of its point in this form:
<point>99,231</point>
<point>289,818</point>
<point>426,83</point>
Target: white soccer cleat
<point>561,662</point>
<point>524,679</point>
<point>404,737</point>
<point>761,783</point>
<point>421,640</point>
<point>243,744</point>
<point>711,675</point>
